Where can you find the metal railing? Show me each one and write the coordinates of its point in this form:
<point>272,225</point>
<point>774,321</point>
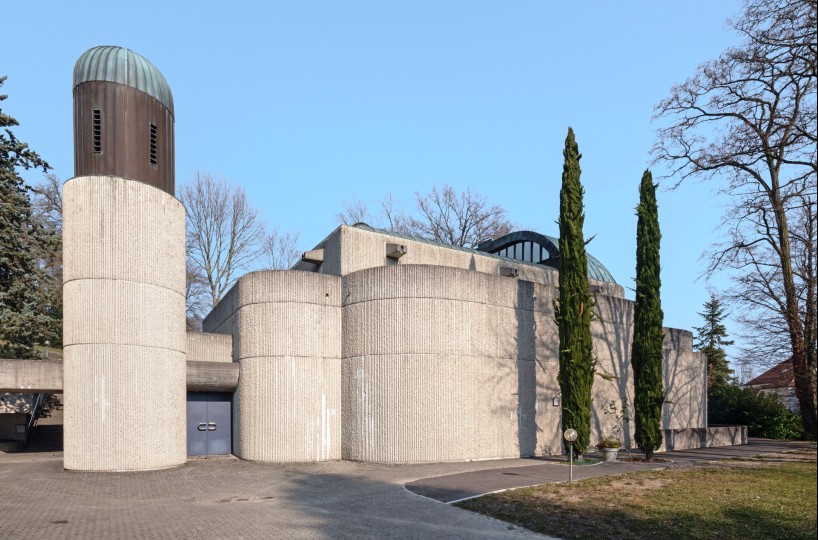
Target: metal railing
<point>35,414</point>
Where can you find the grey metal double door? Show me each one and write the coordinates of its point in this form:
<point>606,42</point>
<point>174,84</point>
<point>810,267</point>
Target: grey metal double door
<point>208,423</point>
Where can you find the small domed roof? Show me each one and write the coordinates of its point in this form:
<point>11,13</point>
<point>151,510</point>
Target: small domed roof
<point>551,245</point>
<point>123,66</point>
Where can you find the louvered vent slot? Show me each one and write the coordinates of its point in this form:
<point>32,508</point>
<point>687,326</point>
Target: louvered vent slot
<point>153,145</point>
<point>97,119</point>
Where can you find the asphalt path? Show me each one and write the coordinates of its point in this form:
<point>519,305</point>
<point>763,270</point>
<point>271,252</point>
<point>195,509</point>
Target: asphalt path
<point>461,486</point>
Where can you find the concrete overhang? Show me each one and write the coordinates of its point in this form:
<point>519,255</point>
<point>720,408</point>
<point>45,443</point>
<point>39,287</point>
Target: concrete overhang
<point>45,376</point>
<point>212,376</point>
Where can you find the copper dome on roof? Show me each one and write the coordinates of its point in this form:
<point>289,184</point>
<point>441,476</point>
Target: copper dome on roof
<point>123,66</point>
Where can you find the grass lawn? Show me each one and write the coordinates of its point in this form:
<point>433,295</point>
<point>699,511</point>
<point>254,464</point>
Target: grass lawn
<point>765,497</point>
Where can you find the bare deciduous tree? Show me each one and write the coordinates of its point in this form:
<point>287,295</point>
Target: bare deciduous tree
<point>760,290</point>
<point>47,212</point>
<point>444,215</point>
<point>197,295</point>
<point>224,232</point>
<point>395,218</point>
<point>281,250</point>
<point>459,219</point>
<point>354,212</point>
<point>748,119</point>
<point>47,204</point>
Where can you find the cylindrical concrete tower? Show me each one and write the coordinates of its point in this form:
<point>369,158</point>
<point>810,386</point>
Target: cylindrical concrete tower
<point>124,272</point>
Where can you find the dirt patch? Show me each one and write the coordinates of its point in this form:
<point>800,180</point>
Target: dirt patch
<point>797,456</point>
<point>639,459</point>
<point>765,460</point>
<point>566,495</point>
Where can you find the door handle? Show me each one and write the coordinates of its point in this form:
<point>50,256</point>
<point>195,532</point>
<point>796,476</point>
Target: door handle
<point>202,427</point>
<point>211,426</point>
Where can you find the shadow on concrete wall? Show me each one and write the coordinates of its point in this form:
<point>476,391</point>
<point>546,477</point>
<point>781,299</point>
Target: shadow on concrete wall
<point>685,388</point>
<point>614,320</point>
<point>526,370</point>
<point>16,403</point>
<point>547,366</point>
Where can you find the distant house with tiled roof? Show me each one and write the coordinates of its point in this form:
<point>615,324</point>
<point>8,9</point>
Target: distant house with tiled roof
<point>780,381</point>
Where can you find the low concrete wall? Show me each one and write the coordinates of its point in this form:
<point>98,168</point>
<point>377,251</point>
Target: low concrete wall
<point>725,436</point>
<point>18,377</point>
<point>713,436</point>
<point>286,328</point>
<point>30,376</point>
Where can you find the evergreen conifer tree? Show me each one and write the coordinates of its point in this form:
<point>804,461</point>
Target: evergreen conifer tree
<point>24,319</point>
<point>648,336</point>
<point>711,339</point>
<point>575,308</point>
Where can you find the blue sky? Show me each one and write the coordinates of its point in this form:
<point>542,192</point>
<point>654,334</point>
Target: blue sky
<point>311,104</point>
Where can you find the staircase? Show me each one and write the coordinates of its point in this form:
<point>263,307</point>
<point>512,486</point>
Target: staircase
<point>46,436</point>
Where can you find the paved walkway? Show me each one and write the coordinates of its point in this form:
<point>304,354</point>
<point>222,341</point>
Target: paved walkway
<point>456,487</point>
<point>230,498</point>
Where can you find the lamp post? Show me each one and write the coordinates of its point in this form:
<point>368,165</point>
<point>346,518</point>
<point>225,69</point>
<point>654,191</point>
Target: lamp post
<point>570,436</point>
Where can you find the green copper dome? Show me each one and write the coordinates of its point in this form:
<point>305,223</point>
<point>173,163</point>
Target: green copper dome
<point>533,247</point>
<point>123,66</point>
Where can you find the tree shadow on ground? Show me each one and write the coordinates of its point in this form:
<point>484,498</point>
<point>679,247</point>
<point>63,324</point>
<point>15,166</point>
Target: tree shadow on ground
<point>345,506</point>
<point>572,521</point>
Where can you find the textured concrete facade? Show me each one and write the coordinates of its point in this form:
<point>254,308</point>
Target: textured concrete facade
<point>438,365</point>
<point>202,347</point>
<point>124,325</point>
<point>431,357</point>
<point>44,376</point>
<point>29,376</point>
<point>349,249</point>
<point>442,364</point>
<point>286,328</point>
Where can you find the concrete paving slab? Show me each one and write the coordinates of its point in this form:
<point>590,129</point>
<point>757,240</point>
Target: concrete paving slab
<point>230,498</point>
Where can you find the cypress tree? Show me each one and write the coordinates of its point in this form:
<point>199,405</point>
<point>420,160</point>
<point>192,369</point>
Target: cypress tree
<point>711,339</point>
<point>648,336</point>
<point>24,319</point>
<point>574,310</point>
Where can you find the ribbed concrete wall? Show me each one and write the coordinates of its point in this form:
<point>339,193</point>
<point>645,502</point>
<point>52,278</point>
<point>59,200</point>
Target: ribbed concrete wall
<point>286,328</point>
<point>439,364</point>
<point>124,326</point>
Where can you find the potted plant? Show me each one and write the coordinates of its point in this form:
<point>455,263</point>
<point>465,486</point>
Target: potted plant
<point>609,447</point>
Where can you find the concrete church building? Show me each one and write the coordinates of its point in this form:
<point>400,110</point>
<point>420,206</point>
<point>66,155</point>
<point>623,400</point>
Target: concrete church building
<point>376,347</point>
